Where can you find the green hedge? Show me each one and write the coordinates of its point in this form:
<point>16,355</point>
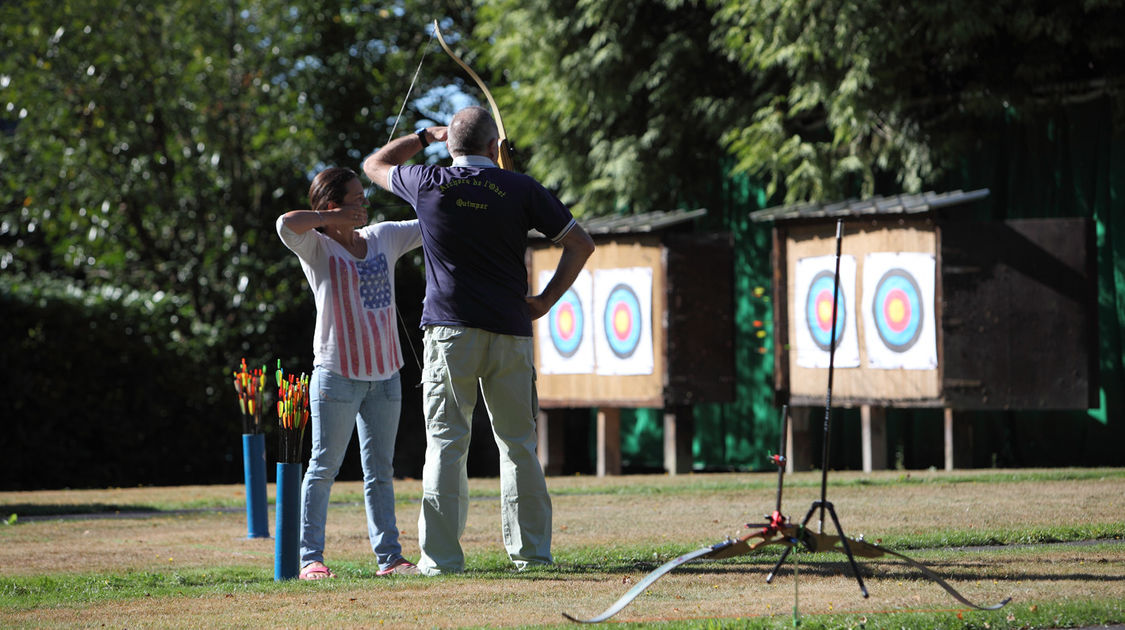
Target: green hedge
<point>99,394</point>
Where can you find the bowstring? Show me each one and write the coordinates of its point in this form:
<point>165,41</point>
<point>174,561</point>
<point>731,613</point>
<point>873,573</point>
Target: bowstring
<point>409,90</point>
<point>394,127</point>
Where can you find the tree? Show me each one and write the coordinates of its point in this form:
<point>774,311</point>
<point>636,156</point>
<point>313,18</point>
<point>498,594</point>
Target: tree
<point>146,150</point>
<point>629,105</point>
<point>151,146</point>
<point>881,95</point>
<point>617,105</point>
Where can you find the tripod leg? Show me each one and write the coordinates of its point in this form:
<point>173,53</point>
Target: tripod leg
<point>847,549</point>
<point>785,554</point>
<point>773,572</point>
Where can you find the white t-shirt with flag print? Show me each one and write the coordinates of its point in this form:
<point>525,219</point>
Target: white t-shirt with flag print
<point>356,329</point>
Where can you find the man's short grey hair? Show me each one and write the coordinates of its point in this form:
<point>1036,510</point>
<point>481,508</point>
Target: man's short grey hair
<point>471,132</point>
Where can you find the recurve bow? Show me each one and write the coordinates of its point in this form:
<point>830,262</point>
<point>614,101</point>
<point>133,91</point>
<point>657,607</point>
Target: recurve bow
<point>778,531</point>
<point>505,158</point>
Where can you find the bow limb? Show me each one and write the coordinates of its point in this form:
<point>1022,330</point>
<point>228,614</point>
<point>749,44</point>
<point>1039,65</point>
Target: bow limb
<point>926,571</point>
<point>826,543</point>
<point>648,581</point>
<point>505,158</point>
<point>726,549</point>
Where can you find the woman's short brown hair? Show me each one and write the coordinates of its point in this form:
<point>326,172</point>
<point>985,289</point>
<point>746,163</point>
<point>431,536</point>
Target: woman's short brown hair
<point>330,186</point>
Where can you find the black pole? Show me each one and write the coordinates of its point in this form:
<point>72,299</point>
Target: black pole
<point>781,462</point>
<point>831,365</point>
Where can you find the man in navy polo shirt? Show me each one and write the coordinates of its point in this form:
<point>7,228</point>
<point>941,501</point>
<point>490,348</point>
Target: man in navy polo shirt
<point>477,318</point>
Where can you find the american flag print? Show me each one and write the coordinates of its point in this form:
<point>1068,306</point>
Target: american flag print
<point>366,336</point>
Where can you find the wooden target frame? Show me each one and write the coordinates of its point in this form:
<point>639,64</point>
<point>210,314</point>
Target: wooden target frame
<point>618,390</point>
<point>692,322</point>
<point>861,384</point>
<point>997,286</point>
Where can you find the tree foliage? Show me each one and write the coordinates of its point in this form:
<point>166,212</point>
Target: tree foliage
<point>630,105</point>
<point>870,92</point>
<point>152,145</point>
<point>618,105</point>
<point>146,149</point>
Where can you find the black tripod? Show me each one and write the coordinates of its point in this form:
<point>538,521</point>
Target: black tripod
<point>823,504</point>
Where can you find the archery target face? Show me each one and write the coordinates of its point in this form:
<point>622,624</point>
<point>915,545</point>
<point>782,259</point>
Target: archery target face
<point>567,324</point>
<point>812,312</point>
<point>623,303</point>
<point>819,315</point>
<point>897,310</point>
<point>563,335</point>
<point>623,321</point>
<point>899,325</point>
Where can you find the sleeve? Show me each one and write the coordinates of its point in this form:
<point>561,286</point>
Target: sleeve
<point>412,235</point>
<point>404,182</point>
<point>569,226</point>
<point>306,246</point>
<point>401,236</point>
<point>548,215</point>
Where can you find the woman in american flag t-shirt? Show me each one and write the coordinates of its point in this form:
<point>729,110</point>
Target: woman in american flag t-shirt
<point>356,354</point>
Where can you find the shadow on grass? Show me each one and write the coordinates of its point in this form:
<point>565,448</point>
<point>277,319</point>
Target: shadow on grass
<point>63,511</point>
<point>69,509</point>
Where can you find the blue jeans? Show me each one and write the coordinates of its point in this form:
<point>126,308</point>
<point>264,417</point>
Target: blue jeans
<point>337,404</point>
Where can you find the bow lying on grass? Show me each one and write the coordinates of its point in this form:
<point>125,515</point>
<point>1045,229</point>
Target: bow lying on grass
<point>777,532</point>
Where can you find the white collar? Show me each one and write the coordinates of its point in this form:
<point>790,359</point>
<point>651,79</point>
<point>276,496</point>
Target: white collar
<point>473,160</point>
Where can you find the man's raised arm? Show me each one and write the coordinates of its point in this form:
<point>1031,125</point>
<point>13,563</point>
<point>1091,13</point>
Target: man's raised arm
<point>378,165</point>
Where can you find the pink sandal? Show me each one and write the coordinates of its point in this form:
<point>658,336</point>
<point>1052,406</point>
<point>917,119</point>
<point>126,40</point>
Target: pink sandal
<point>316,571</point>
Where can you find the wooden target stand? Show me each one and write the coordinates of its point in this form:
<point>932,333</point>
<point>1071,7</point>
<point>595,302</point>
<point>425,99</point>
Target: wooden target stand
<point>997,285</point>
<point>690,325</point>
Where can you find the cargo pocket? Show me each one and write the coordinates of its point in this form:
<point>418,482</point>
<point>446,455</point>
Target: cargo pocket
<point>434,394</point>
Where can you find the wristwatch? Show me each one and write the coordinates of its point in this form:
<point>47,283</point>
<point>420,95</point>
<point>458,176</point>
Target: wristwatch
<point>421,133</point>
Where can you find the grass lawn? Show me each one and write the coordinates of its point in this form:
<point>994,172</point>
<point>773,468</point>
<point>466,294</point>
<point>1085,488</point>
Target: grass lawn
<point>176,557</point>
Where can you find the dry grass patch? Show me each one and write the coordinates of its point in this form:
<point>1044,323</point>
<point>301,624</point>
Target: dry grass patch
<point>713,590</point>
<point>609,533</point>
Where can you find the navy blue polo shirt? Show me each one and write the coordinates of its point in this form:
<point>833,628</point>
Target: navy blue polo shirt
<point>475,218</point>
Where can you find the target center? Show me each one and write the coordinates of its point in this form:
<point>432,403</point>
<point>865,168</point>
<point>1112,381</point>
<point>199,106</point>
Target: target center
<point>897,310</point>
<point>824,311</point>
<point>622,322</point>
<point>566,322</point>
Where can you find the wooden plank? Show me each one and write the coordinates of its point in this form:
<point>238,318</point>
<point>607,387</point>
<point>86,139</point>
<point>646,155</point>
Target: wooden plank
<point>873,426</point>
<point>958,440</point>
<point>1020,315</point>
<point>679,428</point>
<point>948,416</point>
<point>798,444</point>
<point>780,317</point>
<point>549,426</point>
<point>609,441</point>
<point>700,319</point>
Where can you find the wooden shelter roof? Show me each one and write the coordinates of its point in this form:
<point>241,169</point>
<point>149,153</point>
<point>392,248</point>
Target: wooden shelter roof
<point>897,204</point>
<point>647,222</point>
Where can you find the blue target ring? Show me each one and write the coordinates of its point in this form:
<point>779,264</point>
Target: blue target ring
<point>818,311</point>
<point>897,310</point>
<point>622,321</point>
<point>567,324</point>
